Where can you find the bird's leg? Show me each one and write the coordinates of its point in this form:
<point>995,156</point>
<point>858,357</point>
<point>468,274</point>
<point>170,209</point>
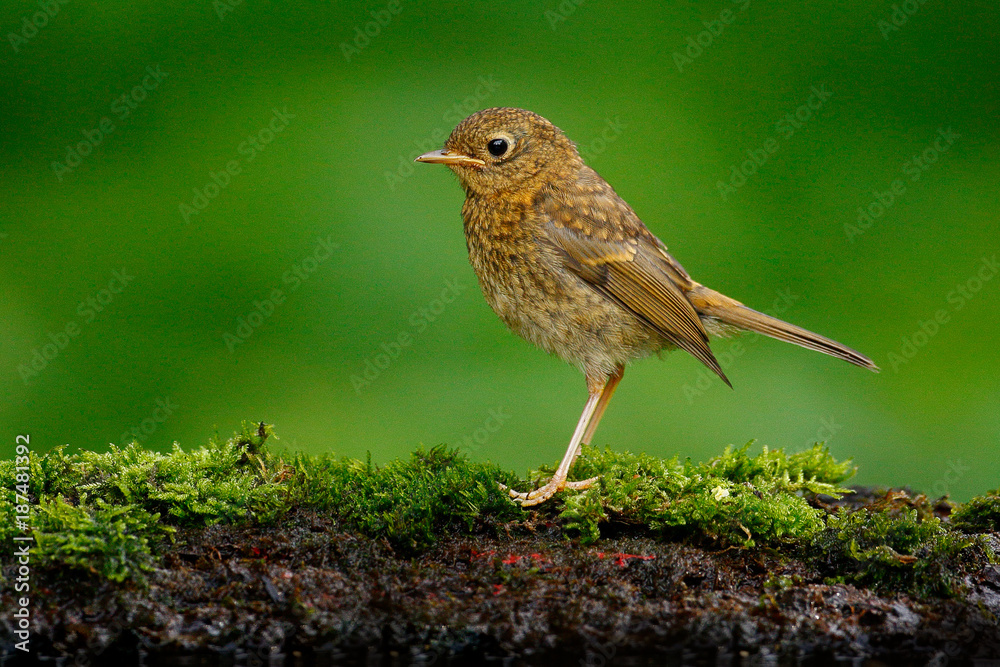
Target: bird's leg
<point>558,481</point>
<point>599,394</point>
<point>602,405</point>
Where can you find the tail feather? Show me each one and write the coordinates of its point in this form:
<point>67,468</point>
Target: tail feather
<point>729,311</point>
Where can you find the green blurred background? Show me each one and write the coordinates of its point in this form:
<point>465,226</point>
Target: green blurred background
<point>340,170</point>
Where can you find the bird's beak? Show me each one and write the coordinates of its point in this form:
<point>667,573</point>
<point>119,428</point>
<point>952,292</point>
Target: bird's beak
<point>445,156</point>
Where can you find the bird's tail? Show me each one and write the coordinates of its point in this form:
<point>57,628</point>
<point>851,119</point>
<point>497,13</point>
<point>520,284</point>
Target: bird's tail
<point>730,311</point>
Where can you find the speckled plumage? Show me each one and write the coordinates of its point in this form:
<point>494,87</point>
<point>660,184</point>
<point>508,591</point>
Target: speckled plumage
<point>549,228</point>
<point>568,265</point>
<point>515,263</point>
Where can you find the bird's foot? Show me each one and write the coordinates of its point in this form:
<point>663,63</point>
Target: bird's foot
<point>540,495</point>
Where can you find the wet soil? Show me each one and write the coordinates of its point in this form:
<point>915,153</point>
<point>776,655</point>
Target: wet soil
<point>306,593</point>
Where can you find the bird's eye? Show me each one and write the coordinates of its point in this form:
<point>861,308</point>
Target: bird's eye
<point>497,147</point>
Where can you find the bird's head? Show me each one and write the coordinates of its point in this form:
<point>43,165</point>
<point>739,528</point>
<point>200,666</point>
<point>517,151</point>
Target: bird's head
<point>503,149</point>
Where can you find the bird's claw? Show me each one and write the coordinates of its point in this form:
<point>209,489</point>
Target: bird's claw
<point>540,495</point>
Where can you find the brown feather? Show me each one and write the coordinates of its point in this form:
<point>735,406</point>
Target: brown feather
<point>605,243</point>
<point>640,286</point>
<point>567,264</point>
<point>730,311</point>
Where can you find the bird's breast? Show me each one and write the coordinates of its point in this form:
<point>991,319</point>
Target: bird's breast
<point>526,285</point>
<point>505,256</point>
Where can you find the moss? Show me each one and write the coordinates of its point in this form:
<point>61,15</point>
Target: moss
<point>113,515</point>
<point>980,514</point>
<point>898,545</point>
<point>104,539</point>
<point>104,513</point>
<point>734,498</point>
<point>409,502</point>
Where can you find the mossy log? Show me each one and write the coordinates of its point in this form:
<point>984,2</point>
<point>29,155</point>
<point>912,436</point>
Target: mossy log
<point>233,552</point>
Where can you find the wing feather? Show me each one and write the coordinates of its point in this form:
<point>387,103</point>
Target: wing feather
<point>640,276</point>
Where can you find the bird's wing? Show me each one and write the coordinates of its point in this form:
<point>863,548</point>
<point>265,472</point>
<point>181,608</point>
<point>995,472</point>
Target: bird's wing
<point>600,239</point>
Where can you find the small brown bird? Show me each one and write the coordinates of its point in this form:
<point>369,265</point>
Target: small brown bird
<point>568,265</point>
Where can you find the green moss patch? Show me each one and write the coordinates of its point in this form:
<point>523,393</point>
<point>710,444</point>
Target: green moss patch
<point>412,502</point>
<point>734,498</point>
<point>115,515</point>
<point>980,514</point>
<point>899,545</point>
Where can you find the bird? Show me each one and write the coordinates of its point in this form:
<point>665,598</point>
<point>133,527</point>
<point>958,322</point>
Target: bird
<point>567,265</point>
